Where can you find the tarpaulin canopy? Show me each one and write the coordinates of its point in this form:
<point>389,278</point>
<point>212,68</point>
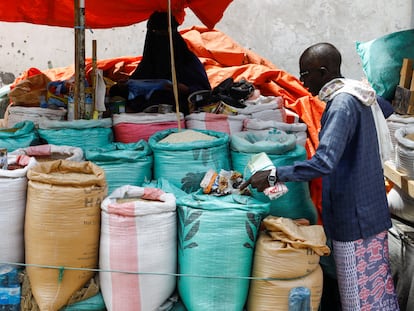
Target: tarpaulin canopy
<point>107,14</point>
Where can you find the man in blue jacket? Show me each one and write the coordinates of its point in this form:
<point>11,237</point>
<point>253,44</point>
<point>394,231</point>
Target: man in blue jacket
<point>354,205</point>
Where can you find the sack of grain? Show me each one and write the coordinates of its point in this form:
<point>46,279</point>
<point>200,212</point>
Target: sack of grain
<point>21,135</point>
<point>13,188</point>
<point>297,202</point>
<point>123,163</point>
<point>183,157</point>
<point>62,228</point>
<point>289,253</point>
<point>138,235</point>
<point>216,242</point>
<point>85,134</point>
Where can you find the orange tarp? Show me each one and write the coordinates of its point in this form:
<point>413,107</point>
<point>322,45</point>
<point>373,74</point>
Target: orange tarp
<point>223,58</point>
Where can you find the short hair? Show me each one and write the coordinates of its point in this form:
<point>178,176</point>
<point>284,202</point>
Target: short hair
<point>324,54</point>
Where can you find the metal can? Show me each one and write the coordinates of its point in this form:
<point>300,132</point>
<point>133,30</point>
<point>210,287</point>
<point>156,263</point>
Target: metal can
<point>3,158</point>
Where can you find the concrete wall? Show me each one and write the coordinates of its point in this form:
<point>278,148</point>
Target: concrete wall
<point>278,30</point>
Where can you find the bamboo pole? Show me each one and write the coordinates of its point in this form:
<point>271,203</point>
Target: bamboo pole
<point>173,73</point>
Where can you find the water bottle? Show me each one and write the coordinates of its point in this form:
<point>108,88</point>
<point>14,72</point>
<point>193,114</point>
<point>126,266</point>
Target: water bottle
<point>10,290</point>
<point>299,299</point>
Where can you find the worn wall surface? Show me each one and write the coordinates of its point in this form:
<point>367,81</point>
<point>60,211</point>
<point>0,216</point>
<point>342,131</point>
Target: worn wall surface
<point>278,30</point>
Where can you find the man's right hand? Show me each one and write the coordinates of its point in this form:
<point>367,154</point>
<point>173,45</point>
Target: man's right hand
<point>258,180</point>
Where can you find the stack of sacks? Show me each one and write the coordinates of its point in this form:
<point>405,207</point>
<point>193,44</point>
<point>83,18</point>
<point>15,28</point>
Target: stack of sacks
<point>225,123</point>
<point>297,129</point>
<point>288,255</point>
<point>395,122</point>
<point>399,201</point>
<point>404,150</point>
<point>132,127</point>
<point>265,108</point>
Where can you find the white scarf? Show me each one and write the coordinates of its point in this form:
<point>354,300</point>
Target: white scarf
<point>366,95</point>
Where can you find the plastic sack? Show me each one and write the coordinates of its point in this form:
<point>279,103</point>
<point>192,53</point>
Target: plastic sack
<point>184,164</point>
<point>271,142</point>
<point>138,234</point>
<point>382,59</point>
<point>124,164</point>
<point>216,241</point>
<point>297,202</point>
<point>62,228</point>
<point>85,134</point>
<point>21,135</point>
<point>13,188</point>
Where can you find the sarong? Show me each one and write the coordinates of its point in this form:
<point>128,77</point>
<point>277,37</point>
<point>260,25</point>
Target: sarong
<point>364,277</point>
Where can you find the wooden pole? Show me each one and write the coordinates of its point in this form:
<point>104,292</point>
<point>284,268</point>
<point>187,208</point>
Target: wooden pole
<point>94,67</point>
<point>173,72</point>
<point>79,93</point>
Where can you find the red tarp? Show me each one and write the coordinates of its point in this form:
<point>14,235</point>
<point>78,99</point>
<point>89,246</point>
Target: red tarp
<point>107,13</point>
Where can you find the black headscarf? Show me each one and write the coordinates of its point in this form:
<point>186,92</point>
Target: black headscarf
<point>156,59</point>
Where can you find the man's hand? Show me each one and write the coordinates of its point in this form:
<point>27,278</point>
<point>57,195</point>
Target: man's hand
<point>258,180</point>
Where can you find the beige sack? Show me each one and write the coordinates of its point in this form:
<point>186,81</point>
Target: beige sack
<point>286,256</point>
<point>62,228</point>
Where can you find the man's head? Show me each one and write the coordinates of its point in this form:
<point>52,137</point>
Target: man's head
<point>319,64</point>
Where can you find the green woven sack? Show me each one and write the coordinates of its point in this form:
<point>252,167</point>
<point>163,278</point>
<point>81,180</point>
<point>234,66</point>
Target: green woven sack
<point>382,60</point>
<point>216,241</point>
<point>85,134</point>
<point>123,163</point>
<point>297,202</point>
<point>21,135</point>
<point>184,164</point>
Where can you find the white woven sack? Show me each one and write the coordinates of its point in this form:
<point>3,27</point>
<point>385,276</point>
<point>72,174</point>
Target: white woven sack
<point>144,118</point>
<point>401,203</point>
<point>18,114</point>
<point>395,122</point>
<point>13,188</point>
<point>229,124</point>
<point>265,108</point>
<point>69,153</point>
<point>138,236</point>
<point>404,150</point>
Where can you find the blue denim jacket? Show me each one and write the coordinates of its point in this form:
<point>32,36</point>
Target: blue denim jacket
<point>354,202</point>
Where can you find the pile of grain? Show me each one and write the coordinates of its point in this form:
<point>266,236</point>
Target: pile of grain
<point>186,136</point>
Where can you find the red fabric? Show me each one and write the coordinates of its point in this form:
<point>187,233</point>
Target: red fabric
<point>107,14</point>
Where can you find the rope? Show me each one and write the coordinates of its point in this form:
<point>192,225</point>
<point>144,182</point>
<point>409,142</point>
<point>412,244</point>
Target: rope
<point>61,271</point>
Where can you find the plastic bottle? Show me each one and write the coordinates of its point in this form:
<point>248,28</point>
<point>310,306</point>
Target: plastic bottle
<point>299,299</point>
<point>10,289</point>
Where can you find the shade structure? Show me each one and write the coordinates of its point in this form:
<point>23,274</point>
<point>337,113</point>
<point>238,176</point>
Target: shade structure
<point>107,14</point>
<point>81,14</point>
